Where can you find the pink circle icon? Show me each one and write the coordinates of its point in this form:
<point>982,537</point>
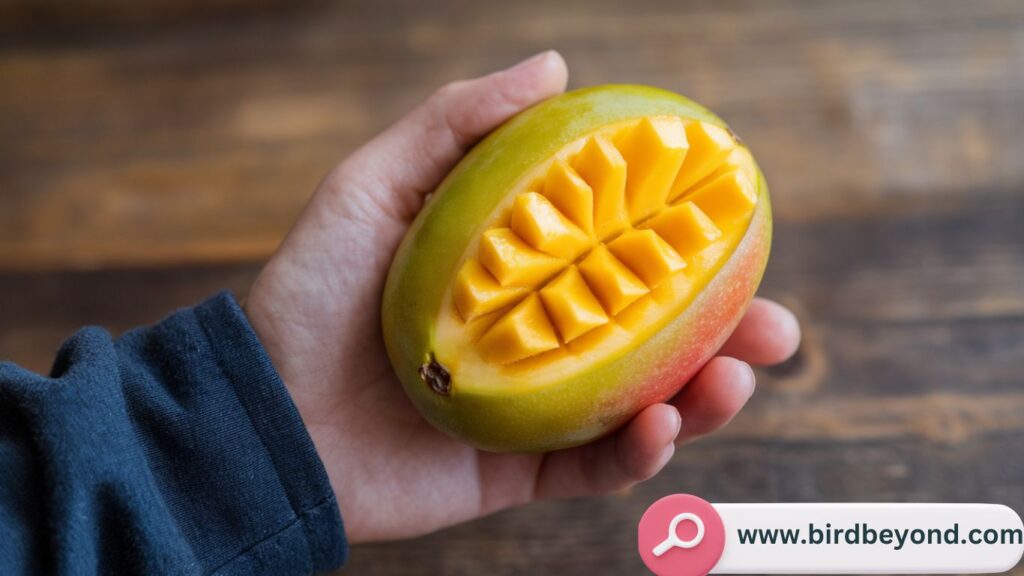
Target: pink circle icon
<point>681,535</point>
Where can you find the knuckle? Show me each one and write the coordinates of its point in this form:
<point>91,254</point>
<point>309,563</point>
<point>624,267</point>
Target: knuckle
<point>448,91</point>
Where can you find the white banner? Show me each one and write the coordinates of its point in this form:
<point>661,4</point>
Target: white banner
<point>869,538</point>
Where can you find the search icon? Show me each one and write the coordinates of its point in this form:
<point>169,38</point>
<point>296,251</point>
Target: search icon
<point>673,540</point>
<point>696,536</point>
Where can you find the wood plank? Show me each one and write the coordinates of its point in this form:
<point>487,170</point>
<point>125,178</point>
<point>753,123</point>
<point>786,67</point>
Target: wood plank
<point>139,141</point>
<point>962,263</point>
<point>151,156</point>
<point>39,311</point>
<point>946,381</point>
<point>599,536</point>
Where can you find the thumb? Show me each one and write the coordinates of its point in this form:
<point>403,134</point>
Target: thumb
<point>410,158</point>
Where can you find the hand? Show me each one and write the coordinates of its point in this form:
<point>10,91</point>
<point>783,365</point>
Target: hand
<point>315,307</point>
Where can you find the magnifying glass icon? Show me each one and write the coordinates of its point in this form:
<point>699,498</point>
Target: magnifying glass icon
<point>673,540</point>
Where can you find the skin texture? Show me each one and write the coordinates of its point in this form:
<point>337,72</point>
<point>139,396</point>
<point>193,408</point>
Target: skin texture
<point>500,415</point>
<point>315,307</point>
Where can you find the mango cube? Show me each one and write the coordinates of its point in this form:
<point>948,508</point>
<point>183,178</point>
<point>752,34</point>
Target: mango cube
<point>647,255</point>
<point>604,168</point>
<point>476,292</point>
<point>685,227</point>
<point>571,194</point>
<point>654,150</point>
<point>615,285</point>
<point>542,226</point>
<point>709,146</point>
<point>572,306</point>
<point>525,331</point>
<point>728,197</point>
<point>513,262</point>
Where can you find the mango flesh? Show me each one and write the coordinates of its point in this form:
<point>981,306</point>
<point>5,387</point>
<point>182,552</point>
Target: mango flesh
<point>581,263</point>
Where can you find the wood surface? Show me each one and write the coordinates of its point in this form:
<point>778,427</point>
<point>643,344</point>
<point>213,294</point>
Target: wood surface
<point>153,153</point>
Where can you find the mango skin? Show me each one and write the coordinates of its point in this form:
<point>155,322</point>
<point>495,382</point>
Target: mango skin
<point>590,404</point>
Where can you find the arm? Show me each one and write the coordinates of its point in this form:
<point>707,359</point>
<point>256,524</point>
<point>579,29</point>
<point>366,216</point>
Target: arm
<point>174,449</point>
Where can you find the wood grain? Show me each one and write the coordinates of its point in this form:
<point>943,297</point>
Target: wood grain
<point>151,129</point>
<point>149,157</point>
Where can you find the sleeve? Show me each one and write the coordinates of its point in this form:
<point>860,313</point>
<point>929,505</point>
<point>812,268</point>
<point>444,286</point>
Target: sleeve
<point>174,449</point>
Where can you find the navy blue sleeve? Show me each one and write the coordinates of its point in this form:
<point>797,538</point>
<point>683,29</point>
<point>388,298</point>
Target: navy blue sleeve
<point>174,449</point>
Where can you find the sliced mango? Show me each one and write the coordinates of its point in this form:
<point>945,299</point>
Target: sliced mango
<point>654,150</point>
<point>571,194</point>
<point>572,306</point>
<point>709,146</point>
<point>615,285</point>
<point>604,169</point>
<point>685,227</point>
<point>477,292</point>
<point>523,332</point>
<point>536,220</point>
<point>738,159</point>
<point>647,255</point>
<point>730,196</point>
<point>605,232</point>
<point>513,262</point>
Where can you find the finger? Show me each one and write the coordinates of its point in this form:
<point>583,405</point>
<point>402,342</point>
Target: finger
<point>768,334</point>
<point>634,453</point>
<point>713,397</point>
<point>411,157</point>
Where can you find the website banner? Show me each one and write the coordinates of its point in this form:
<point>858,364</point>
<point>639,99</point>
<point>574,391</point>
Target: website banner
<point>829,538</point>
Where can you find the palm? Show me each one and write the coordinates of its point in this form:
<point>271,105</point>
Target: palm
<point>316,305</point>
<point>352,401</point>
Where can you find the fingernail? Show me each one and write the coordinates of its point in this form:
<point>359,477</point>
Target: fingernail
<point>666,454</point>
<point>679,424</point>
<point>530,61</point>
<point>792,331</point>
<point>753,380</point>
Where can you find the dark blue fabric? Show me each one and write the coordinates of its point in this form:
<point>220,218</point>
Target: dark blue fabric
<point>174,449</point>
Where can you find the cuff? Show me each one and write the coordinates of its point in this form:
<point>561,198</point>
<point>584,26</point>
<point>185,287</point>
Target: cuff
<point>316,537</point>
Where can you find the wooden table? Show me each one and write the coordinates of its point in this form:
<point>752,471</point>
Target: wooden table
<point>149,156</point>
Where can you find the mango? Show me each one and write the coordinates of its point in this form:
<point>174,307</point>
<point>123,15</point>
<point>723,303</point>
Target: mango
<point>582,262</point>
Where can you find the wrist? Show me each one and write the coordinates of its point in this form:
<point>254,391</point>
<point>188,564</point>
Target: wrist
<point>311,406</point>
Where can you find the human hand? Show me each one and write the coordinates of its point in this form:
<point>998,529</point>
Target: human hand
<point>316,305</point>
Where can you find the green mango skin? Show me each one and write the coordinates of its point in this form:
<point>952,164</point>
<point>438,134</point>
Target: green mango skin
<point>592,403</point>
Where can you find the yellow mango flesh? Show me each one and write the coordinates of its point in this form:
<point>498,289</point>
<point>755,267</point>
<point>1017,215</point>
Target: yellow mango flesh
<point>615,284</point>
<point>571,194</point>
<point>572,306</point>
<point>477,292</point>
<point>601,162</point>
<point>536,220</point>
<point>647,255</point>
<point>654,150</point>
<point>590,248</point>
<point>709,146</point>
<point>523,332</point>
<point>727,197</point>
<point>513,262</point>
<point>685,227</point>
